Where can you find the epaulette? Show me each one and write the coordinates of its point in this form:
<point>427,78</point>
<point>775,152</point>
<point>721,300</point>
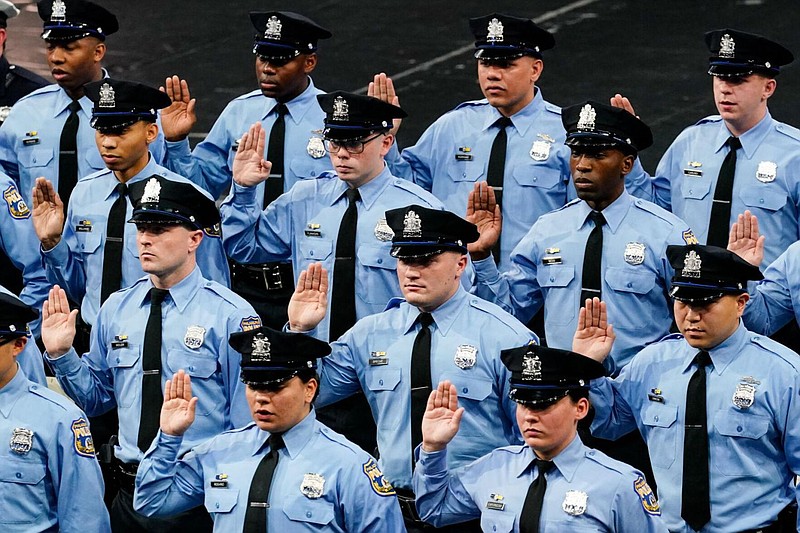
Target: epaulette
<point>249,95</point>
<point>653,209</point>
<point>776,348</point>
<point>566,205</point>
<point>491,309</point>
<point>671,337</point>
<point>43,90</point>
<point>789,131</point>
<point>52,397</point>
<point>471,103</point>
<point>709,120</point>
<point>394,303</point>
<point>27,74</point>
<point>552,108</point>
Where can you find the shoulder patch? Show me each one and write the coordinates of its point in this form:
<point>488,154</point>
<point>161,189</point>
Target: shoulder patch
<point>83,443</point>
<point>646,496</point>
<point>250,322</point>
<point>17,207</point>
<point>689,238</point>
<point>379,483</point>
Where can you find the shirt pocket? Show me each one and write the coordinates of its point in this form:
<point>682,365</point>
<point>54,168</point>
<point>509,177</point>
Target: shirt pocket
<point>221,500</point>
<point>497,521</point>
<point>764,198</point>
<point>533,175</point>
<point>22,490</point>
<point>89,245</point>
<point>375,286</point>
<point>317,512</point>
<point>35,158</point>
<point>554,279</point>
<point>695,188</point>
<point>198,366</point>
<point>313,249</point>
<point>659,421</point>
<point>470,388</point>
<point>127,379</point>
<point>466,171</point>
<point>308,168</point>
<point>738,453</point>
<point>381,381</point>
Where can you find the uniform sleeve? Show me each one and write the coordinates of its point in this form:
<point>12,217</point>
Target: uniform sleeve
<point>230,363</point>
<point>441,497</point>
<point>662,182</point>
<point>416,163</point>
<point>8,144</point>
<point>77,480</point>
<point>638,182</point>
<point>613,416</point>
<point>338,376</point>
<point>206,166</point>
<point>771,304</point>
<point>165,485</point>
<point>635,508</point>
<point>64,264</point>
<point>369,507</point>
<point>251,235</point>
<point>88,380</point>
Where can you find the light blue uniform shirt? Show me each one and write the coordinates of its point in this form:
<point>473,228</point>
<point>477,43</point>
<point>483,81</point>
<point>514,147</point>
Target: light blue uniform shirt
<point>303,225</point>
<point>212,159</point>
<point>51,481</point>
<point>607,495</point>
<point>31,138</point>
<point>197,317</point>
<point>754,450</point>
<point>767,179</point>
<point>375,356</point>
<point>548,268</point>
<point>76,262</point>
<point>18,241</point>
<point>775,300</point>
<point>354,495</point>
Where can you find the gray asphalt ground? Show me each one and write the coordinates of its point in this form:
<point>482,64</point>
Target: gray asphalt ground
<point>651,51</point>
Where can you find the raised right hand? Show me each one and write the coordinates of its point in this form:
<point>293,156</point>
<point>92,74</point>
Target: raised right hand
<point>58,323</point>
<point>442,417</point>
<point>179,118</point>
<point>48,213</point>
<point>309,303</point>
<point>249,166</point>
<point>177,412</point>
<point>484,212</point>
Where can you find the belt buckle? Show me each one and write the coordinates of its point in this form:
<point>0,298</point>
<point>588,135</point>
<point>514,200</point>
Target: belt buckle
<point>275,273</point>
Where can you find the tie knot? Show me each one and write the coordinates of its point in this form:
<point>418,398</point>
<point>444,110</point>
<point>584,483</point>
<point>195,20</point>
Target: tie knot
<point>598,218</point>
<point>157,296</point>
<point>280,109</point>
<point>425,319</point>
<point>275,442</point>
<point>702,359</point>
<point>352,195</point>
<point>503,122</point>
<point>733,143</point>
<point>121,188</point>
<point>74,106</point>
<point>544,466</point>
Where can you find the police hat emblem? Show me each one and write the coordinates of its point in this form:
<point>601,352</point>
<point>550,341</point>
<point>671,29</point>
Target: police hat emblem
<point>106,96</point>
<point>4,112</point>
<point>315,147</point>
<point>466,356</point>
<point>727,46</point>
<point>341,111</point>
<point>260,348</point>
<point>273,29</point>
<point>574,502</point>
<point>634,253</point>
<point>744,395</point>
<point>540,150</point>
<point>412,225</point>
<point>193,339</point>
<point>587,117</point>
<point>312,486</point>
<point>767,171</point>
<point>531,367</point>
<point>152,192</point>
<point>59,12</point>
<point>691,265</point>
<point>383,232</point>
<point>21,440</point>
<point>494,31</point>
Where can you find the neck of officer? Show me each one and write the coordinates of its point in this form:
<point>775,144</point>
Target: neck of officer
<point>76,93</point>
<point>552,453</point>
<point>288,97</point>
<point>9,374</point>
<point>170,278</point>
<point>123,176</point>
<point>599,204</point>
<point>737,128</point>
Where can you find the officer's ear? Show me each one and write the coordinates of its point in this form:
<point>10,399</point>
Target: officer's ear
<point>99,51</point>
<point>151,133</point>
<point>581,408</point>
<point>627,164</point>
<point>741,302</point>
<point>3,37</point>
<point>537,67</point>
<point>769,88</point>
<point>19,345</point>
<point>310,63</point>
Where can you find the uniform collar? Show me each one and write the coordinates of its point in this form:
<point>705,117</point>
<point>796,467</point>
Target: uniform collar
<point>180,293</point>
<point>445,315</point>
<point>723,354</point>
<point>295,439</point>
<point>567,462</point>
<point>370,191</point>
<point>298,106</point>
<point>149,169</point>
<point>523,119</point>
<point>614,213</point>
<point>12,391</point>
<point>751,139</point>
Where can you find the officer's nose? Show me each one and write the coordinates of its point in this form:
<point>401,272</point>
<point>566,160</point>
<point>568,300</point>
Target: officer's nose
<point>583,164</point>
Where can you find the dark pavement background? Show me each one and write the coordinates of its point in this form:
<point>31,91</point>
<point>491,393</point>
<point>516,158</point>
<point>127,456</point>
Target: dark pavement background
<point>649,50</point>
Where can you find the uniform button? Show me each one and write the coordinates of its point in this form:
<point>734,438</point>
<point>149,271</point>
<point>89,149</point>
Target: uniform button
<point>655,418</point>
<point>629,285</point>
<point>552,279</point>
<point>117,359</point>
<point>691,191</point>
<point>313,173</point>
<point>465,390</point>
<point>217,505</point>
<point>311,253</point>
<point>494,528</point>
<point>535,178</point>
<point>380,260</point>
<point>463,174</point>
<point>761,201</point>
<point>34,160</point>
<point>739,429</point>
<point>19,475</point>
<point>380,382</point>
<point>308,514</point>
<point>191,369</point>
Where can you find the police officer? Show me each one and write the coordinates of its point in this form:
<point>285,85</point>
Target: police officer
<point>715,404</point>
<point>284,471</point>
<point>47,132</point>
<point>286,106</point>
<point>607,242</point>
<point>171,319</point>
<point>51,480</point>
<point>553,482</point>
<point>78,254</point>
<point>439,332</point>
<point>693,175</point>
<point>15,81</point>
<point>30,358</point>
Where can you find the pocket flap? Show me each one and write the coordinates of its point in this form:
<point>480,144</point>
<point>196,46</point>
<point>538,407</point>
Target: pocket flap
<point>628,280</point>
<point>695,188</point>
<point>25,472</point>
<point>315,249</point>
<point>749,426</point>
<point>318,512</point>
<point>763,198</point>
<point>376,256</point>
<point>555,275</point>
<point>38,157</point>
<point>221,500</point>
<point>89,241</point>
<point>497,521</point>
<point>383,378</point>
<point>658,415</point>
<point>193,364</point>
<point>123,357</point>
<point>308,168</point>
<point>536,176</point>
<point>472,388</point>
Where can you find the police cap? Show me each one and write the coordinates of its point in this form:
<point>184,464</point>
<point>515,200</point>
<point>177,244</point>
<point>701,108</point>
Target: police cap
<point>422,231</point>
<point>7,11</point>
<point>68,20</point>
<point>118,103</point>
<point>158,200</point>
<point>595,124</point>
<point>499,36</point>
<point>14,316</point>
<point>285,35</point>
<point>704,273</point>
<point>353,116</point>
<point>738,53</point>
